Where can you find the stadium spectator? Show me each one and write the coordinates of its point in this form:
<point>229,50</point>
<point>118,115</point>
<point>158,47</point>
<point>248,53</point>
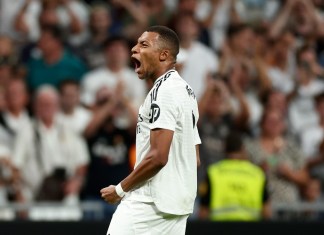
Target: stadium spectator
<point>8,60</point>
<point>100,22</point>
<point>109,146</point>
<point>129,18</point>
<point>276,100</point>
<point>52,160</point>
<point>302,112</point>
<point>15,117</point>
<point>240,59</point>
<point>8,12</point>
<point>6,183</point>
<point>116,71</point>
<point>215,17</point>
<point>71,16</point>
<point>218,119</point>
<point>312,141</point>
<point>241,83</point>
<point>132,17</point>
<point>156,11</point>
<point>72,114</point>
<point>312,193</point>
<point>281,62</point>
<point>280,157</point>
<point>191,7</point>
<point>237,47</point>
<point>54,63</point>
<point>300,17</point>
<point>259,11</point>
<point>194,69</point>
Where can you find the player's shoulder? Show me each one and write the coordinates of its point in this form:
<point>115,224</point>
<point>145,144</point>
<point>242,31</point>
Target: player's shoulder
<point>163,82</point>
<point>172,84</point>
<point>169,80</point>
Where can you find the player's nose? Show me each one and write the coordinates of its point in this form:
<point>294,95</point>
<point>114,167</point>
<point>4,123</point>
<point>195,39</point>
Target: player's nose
<point>134,49</point>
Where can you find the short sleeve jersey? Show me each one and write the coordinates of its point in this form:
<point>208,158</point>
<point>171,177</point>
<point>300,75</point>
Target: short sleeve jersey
<point>171,104</point>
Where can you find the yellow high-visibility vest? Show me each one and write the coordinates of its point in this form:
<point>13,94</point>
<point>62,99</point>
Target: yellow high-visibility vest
<point>236,188</point>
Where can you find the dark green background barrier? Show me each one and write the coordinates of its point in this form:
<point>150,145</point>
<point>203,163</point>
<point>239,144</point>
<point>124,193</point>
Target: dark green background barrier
<point>193,228</point>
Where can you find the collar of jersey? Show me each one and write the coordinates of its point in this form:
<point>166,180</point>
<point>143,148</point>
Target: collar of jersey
<point>162,76</point>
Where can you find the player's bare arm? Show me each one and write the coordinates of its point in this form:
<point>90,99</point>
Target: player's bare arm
<point>154,161</point>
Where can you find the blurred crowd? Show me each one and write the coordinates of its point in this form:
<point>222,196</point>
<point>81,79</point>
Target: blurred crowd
<point>69,95</point>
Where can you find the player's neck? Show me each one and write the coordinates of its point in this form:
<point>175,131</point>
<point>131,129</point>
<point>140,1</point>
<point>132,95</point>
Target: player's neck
<point>157,75</point>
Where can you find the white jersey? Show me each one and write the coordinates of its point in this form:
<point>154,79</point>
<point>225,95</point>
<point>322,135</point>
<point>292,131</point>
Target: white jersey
<point>171,104</point>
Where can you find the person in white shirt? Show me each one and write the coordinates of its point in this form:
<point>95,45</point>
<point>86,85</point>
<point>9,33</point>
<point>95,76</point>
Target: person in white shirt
<point>116,71</point>
<point>72,113</point>
<point>47,146</point>
<point>15,117</point>
<point>200,60</point>
<point>159,194</point>
<point>70,15</point>
<point>309,83</point>
<point>12,120</point>
<point>216,17</point>
<point>280,61</point>
<point>312,140</point>
<point>8,11</point>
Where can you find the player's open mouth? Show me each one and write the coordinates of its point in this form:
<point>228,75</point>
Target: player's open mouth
<point>137,64</point>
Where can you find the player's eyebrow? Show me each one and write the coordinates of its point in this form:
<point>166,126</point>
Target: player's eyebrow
<point>143,41</point>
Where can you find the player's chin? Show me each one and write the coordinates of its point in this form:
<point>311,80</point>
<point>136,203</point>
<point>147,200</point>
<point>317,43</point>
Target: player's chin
<point>140,75</point>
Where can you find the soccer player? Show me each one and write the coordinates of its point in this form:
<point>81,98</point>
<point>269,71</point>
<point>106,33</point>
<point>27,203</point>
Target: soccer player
<point>158,196</point>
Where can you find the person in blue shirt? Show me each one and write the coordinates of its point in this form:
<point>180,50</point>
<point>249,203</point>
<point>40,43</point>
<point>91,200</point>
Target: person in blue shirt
<point>51,62</point>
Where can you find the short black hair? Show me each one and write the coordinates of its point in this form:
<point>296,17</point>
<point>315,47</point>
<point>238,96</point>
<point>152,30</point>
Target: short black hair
<point>66,82</point>
<point>265,96</point>
<point>115,38</point>
<point>233,142</point>
<point>168,36</point>
<point>55,31</point>
<point>234,29</point>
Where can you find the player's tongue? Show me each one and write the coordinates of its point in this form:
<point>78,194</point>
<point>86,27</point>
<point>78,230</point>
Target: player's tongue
<point>137,65</point>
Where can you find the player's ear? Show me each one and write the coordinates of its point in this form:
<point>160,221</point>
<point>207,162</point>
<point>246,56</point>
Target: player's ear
<point>164,55</point>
